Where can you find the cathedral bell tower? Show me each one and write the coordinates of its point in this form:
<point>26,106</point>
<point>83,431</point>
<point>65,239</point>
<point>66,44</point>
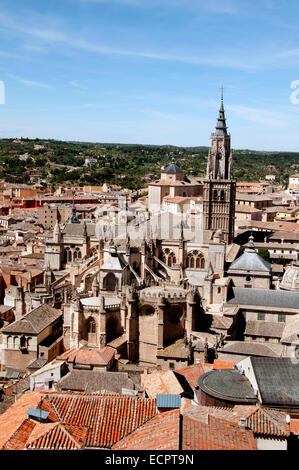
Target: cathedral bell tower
<point>219,184</point>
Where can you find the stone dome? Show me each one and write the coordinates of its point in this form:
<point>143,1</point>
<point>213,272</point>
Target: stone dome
<point>173,168</point>
<point>250,260</point>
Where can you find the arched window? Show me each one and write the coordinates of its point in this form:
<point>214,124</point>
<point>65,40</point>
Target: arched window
<point>91,331</point>
<point>10,342</point>
<point>191,260</point>
<point>215,196</point>
<point>69,255</point>
<point>195,260</point>
<point>112,328</point>
<point>168,257</point>
<point>110,282</point>
<point>77,254</point>
<point>23,342</point>
<point>222,195</point>
<point>92,328</point>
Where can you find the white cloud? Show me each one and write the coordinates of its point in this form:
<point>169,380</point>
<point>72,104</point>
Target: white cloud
<point>30,83</point>
<point>229,58</point>
<point>260,116</point>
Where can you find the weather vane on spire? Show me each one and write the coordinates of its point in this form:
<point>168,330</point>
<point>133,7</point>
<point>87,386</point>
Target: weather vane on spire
<point>221,92</point>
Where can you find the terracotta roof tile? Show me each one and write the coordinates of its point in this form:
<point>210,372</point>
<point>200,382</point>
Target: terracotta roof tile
<point>14,417</point>
<point>210,433</point>
<point>162,382</point>
<point>217,434</point>
<point>159,433</point>
<point>19,439</point>
<point>92,420</point>
<point>109,417</point>
<point>86,355</point>
<point>223,364</point>
<point>264,421</point>
<point>192,373</point>
<point>268,422</point>
<point>59,437</point>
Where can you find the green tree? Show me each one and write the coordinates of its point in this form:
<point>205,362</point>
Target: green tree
<point>264,253</point>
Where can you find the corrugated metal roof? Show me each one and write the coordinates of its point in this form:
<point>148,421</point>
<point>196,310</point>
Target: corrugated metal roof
<point>168,401</point>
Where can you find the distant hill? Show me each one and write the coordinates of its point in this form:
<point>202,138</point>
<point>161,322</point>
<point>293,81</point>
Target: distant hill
<point>129,165</point>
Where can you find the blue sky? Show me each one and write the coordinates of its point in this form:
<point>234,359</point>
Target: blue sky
<point>150,71</point>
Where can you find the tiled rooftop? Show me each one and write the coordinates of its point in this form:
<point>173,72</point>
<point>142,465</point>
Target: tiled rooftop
<point>108,418</point>
<point>119,422</point>
<point>159,433</point>
<point>218,364</point>
<point>35,321</point>
<point>260,420</point>
<point>217,434</point>
<point>278,380</point>
<point>192,373</point>
<point>85,355</point>
<point>59,437</point>
<point>163,433</point>
<point>90,381</point>
<point>15,416</point>
<point>164,382</point>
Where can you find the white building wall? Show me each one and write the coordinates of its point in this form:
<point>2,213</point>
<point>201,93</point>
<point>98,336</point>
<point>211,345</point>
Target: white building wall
<point>270,444</point>
<point>246,366</point>
<point>43,378</point>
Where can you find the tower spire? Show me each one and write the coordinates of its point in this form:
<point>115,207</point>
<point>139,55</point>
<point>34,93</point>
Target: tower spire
<point>221,127</point>
<point>219,186</point>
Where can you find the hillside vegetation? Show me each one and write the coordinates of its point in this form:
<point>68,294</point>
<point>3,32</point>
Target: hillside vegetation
<point>131,166</point>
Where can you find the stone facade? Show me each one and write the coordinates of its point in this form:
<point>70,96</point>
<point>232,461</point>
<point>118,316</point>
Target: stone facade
<point>219,185</point>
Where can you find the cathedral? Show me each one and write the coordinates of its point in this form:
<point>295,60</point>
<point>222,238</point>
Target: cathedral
<point>162,281</point>
<point>154,296</point>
